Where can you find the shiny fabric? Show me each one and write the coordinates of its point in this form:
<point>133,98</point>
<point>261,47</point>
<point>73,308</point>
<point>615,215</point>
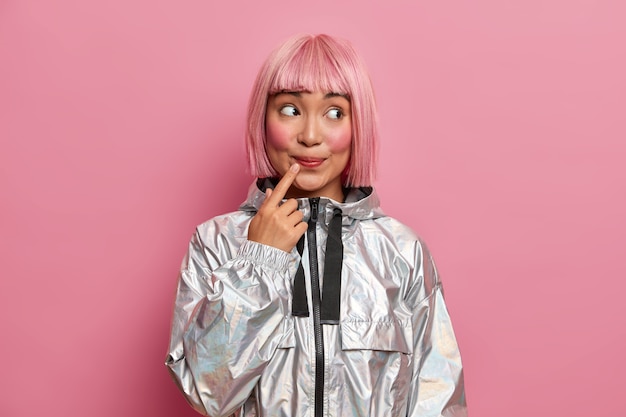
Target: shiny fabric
<point>236,349</point>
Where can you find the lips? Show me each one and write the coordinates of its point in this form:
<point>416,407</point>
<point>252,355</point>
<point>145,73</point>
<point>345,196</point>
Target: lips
<point>309,162</point>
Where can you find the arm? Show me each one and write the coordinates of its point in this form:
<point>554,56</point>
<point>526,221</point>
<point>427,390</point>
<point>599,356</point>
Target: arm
<point>231,314</point>
<point>437,383</point>
<point>228,321</point>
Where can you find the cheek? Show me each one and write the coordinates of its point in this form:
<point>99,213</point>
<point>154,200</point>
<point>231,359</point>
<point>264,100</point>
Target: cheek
<point>340,139</point>
<point>277,135</point>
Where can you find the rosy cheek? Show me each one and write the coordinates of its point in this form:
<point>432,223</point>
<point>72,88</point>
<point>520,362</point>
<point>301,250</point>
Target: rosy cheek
<point>340,139</point>
<point>277,135</point>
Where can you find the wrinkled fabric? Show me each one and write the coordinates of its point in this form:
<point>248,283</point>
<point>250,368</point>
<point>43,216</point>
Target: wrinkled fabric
<point>236,349</point>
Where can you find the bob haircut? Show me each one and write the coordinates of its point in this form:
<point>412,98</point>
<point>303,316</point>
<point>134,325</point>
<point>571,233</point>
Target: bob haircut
<point>316,63</point>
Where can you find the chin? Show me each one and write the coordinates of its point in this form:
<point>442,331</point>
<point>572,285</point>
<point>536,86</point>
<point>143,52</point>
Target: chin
<point>309,186</point>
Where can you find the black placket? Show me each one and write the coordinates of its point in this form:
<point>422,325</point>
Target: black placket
<point>326,308</point>
<point>317,303</point>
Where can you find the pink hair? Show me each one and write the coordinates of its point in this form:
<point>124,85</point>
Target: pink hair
<point>316,63</point>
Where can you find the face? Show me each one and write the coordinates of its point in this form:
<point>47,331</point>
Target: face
<point>313,130</point>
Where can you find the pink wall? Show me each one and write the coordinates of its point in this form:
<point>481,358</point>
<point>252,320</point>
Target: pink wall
<point>504,146</point>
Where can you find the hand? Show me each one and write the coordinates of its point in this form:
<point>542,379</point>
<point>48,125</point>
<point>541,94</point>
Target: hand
<point>275,224</point>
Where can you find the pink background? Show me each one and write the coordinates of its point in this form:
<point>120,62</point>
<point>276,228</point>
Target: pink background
<point>503,135</point>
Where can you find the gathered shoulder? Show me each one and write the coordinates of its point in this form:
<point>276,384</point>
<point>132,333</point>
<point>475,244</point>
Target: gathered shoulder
<point>230,223</point>
<point>219,238</point>
<point>392,233</point>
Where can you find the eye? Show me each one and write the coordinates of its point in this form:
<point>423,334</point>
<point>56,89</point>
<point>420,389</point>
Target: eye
<point>335,113</point>
<point>289,110</point>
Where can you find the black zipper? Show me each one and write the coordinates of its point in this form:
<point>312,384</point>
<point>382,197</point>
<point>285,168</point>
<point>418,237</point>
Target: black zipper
<point>315,295</point>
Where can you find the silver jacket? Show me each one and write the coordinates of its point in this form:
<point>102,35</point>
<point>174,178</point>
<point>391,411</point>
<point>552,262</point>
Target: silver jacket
<point>238,347</point>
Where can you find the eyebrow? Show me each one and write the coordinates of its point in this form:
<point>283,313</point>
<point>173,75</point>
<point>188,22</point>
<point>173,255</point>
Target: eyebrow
<point>331,95</point>
<point>326,96</point>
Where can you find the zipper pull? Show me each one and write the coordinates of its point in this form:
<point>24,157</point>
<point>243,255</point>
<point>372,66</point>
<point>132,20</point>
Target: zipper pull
<point>314,208</point>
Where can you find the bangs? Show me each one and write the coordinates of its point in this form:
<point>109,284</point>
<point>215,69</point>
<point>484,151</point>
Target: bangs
<point>311,67</point>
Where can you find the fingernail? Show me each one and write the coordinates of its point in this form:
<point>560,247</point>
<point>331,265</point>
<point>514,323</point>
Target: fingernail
<point>294,168</point>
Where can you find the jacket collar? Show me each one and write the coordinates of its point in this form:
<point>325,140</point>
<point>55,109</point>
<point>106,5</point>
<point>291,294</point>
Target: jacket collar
<point>361,203</point>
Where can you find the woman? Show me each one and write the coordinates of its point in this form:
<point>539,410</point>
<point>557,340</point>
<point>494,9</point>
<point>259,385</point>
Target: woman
<point>309,301</point>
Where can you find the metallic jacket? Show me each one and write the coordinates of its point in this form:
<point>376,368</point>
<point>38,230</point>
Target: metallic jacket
<point>237,348</point>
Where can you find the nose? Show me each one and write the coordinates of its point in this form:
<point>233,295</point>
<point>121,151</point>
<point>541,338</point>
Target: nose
<point>311,132</point>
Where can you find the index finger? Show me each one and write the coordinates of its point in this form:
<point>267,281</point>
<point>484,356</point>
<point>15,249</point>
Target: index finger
<point>283,185</point>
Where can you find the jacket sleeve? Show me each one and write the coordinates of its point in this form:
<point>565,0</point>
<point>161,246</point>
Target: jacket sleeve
<point>437,382</point>
<point>228,321</point>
